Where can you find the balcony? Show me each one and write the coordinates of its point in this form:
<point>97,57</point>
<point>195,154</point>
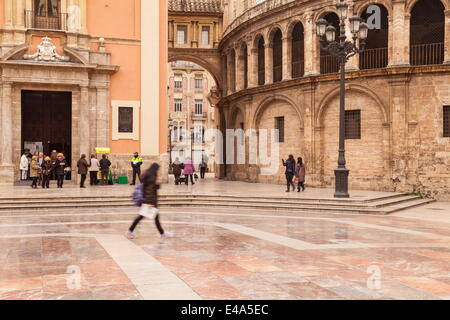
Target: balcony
<point>57,22</point>
<point>298,69</point>
<point>427,54</point>
<point>328,64</point>
<point>373,58</point>
<point>202,115</point>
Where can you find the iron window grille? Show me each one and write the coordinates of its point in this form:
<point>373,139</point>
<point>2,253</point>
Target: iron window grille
<point>279,125</point>
<point>352,124</point>
<point>447,121</point>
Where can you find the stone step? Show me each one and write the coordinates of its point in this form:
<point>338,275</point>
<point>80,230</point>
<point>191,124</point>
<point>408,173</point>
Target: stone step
<point>200,197</point>
<point>180,203</point>
<point>212,200</point>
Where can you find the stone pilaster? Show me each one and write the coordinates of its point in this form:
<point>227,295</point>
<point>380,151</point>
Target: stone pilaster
<point>447,37</point>
<point>312,49</point>
<point>240,71</point>
<point>84,133</point>
<point>287,61</point>
<point>399,131</point>
<point>309,150</point>
<point>102,118</point>
<point>400,43</point>
<point>6,131</point>
<point>252,66</point>
<point>353,62</point>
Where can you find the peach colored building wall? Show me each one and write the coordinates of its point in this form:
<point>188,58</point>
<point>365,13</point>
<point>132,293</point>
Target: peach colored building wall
<point>118,21</point>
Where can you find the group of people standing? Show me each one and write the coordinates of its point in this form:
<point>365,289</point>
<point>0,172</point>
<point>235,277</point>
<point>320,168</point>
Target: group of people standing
<point>41,169</point>
<point>187,169</point>
<point>295,170</point>
<point>93,167</point>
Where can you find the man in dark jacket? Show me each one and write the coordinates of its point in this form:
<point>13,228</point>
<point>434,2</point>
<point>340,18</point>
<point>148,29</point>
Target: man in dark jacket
<point>136,164</point>
<point>83,167</point>
<point>104,168</point>
<point>177,168</point>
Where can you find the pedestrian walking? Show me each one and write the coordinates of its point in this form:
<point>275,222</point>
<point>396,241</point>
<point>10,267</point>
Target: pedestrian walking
<point>177,169</point>
<point>60,169</point>
<point>149,206</point>
<point>94,168</point>
<point>188,171</point>
<point>47,170</point>
<point>83,167</point>
<point>136,163</point>
<point>290,172</point>
<point>24,164</point>
<point>203,166</point>
<point>35,171</point>
<point>105,164</point>
<point>300,174</point>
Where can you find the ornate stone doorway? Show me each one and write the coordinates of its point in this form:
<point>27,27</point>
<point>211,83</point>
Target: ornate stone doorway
<point>47,121</point>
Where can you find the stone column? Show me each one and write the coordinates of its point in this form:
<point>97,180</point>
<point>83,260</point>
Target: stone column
<point>84,128</point>
<point>6,131</point>
<point>269,62</point>
<point>311,44</point>
<point>287,61</point>
<point>400,41</point>
<point>447,37</point>
<point>240,66</point>
<point>252,66</point>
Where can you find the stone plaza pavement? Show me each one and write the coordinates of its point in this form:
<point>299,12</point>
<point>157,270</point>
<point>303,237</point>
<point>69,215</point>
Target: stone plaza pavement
<point>223,253</point>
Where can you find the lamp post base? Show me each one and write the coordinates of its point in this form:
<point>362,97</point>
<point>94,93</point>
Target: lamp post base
<point>341,175</point>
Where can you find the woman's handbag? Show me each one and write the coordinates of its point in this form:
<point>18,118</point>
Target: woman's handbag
<point>148,212</point>
<point>296,180</point>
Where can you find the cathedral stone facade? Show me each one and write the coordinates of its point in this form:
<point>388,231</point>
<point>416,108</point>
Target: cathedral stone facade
<point>398,92</point>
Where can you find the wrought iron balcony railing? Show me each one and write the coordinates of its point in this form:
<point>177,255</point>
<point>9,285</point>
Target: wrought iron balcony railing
<point>198,115</point>
<point>57,22</point>
<point>427,54</point>
<point>328,64</point>
<point>373,58</point>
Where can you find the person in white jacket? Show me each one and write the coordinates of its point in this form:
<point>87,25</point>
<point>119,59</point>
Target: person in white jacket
<point>24,165</point>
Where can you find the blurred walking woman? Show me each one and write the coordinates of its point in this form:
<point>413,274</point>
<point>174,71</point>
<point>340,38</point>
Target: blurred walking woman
<point>300,174</point>
<point>149,208</point>
<point>60,166</point>
<point>35,171</point>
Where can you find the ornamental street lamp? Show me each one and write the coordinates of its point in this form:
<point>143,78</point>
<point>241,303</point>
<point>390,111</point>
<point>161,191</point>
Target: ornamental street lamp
<point>343,50</point>
<point>170,145</point>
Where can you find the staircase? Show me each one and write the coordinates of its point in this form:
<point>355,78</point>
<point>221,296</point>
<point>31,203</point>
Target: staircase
<point>381,205</point>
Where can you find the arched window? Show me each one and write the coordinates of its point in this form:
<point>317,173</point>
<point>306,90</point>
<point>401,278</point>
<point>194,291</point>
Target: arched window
<point>375,54</point>
<point>277,56</point>
<point>298,51</point>
<point>175,134</point>
<point>261,62</point>
<point>329,63</point>
<point>427,33</point>
<point>244,64</point>
<point>47,14</point>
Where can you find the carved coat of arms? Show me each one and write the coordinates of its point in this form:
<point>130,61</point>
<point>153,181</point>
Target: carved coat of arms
<point>46,51</point>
